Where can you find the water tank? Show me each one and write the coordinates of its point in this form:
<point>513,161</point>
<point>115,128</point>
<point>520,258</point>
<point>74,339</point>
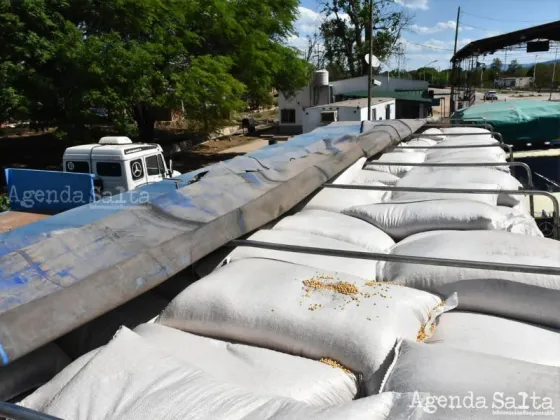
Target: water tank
<point>321,78</point>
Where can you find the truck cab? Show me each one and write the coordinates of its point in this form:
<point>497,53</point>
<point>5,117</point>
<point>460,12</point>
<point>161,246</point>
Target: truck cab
<point>118,164</point>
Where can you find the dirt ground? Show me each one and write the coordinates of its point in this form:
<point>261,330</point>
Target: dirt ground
<point>210,152</point>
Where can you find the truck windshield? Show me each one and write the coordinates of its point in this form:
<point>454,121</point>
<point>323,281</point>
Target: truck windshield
<point>152,166</point>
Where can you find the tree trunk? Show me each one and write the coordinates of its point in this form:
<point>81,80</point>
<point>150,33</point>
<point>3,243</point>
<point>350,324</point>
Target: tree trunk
<point>145,122</point>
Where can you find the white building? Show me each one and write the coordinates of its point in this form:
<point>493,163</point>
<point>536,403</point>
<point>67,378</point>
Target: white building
<point>412,95</point>
<point>350,110</point>
<point>514,82</point>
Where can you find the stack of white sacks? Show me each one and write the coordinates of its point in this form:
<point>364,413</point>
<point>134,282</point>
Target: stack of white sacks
<point>285,335</point>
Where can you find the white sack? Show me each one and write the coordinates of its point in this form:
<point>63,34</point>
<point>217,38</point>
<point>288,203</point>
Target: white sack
<point>338,226</point>
<point>488,163</point>
<point>31,371</point>
<point>369,177</point>
<point>42,396</point>
<point>432,177</point>
<point>101,330</point>
<point>527,297</point>
<point>337,199</point>
<point>485,154</point>
<point>254,368</point>
<point>499,336</point>
<point>489,199</point>
<point>462,158</point>
<point>265,303</point>
<point>350,174</point>
<point>520,222</point>
<point>420,141</point>
<point>357,267</point>
<point>466,141</point>
<point>401,220</point>
<point>416,142</point>
<point>449,372</point>
<point>131,379</point>
<point>433,131</point>
<point>464,130</point>
<point>399,170</point>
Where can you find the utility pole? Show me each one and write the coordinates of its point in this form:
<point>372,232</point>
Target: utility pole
<point>535,71</point>
<point>454,69</point>
<point>553,73</point>
<point>370,70</point>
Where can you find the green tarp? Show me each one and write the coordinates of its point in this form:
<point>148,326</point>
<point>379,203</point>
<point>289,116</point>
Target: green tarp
<point>522,121</point>
<point>404,95</point>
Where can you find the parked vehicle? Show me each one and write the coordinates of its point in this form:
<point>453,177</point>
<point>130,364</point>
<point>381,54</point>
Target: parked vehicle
<point>90,172</point>
<point>491,95</point>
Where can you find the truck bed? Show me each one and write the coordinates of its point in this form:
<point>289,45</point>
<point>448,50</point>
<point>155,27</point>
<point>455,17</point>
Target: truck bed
<point>10,220</point>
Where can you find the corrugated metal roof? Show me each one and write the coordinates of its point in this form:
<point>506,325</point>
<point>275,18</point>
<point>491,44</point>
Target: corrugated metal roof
<point>549,31</point>
<point>355,103</point>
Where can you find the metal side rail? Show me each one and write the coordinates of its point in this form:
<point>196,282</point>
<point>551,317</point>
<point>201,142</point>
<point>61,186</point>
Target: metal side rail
<point>497,136</point>
<point>504,146</point>
<point>16,412</point>
<point>530,193</point>
<point>365,255</point>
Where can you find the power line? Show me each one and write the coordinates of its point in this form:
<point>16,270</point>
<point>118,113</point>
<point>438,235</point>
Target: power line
<point>502,20</point>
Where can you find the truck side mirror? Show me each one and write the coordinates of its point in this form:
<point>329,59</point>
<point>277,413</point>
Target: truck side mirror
<point>170,168</point>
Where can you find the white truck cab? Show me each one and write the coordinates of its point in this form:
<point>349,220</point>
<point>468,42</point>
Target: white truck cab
<point>119,164</point>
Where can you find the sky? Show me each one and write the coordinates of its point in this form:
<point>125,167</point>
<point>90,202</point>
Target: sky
<point>432,33</point>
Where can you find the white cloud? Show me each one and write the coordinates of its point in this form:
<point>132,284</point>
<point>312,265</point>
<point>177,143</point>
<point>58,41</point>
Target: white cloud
<point>419,54</point>
<point>308,24</point>
<point>308,21</point>
<point>438,27</point>
<point>493,33</point>
<point>299,42</point>
<point>414,4</point>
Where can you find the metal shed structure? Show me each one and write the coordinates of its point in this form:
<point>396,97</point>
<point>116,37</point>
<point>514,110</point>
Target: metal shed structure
<point>466,59</point>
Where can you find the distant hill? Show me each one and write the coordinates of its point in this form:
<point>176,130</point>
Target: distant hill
<point>529,65</point>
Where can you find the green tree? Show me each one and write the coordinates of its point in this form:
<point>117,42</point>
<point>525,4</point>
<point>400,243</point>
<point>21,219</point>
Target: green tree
<point>346,30</point>
<point>496,66</point>
<point>209,92</point>
<point>12,103</point>
<point>515,69</point>
<point>135,58</point>
<point>544,75</point>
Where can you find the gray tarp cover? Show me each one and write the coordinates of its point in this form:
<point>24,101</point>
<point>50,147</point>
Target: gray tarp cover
<point>59,282</point>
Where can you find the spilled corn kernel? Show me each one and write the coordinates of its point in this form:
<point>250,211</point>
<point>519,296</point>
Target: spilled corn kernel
<point>342,287</point>
<point>334,364</point>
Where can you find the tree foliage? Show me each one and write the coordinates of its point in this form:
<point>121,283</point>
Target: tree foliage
<point>496,65</point>
<point>544,75</point>
<point>63,59</point>
<point>515,69</point>
<point>346,32</point>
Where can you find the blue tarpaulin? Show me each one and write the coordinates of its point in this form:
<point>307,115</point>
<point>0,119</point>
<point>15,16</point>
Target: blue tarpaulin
<point>48,192</point>
<point>60,272</point>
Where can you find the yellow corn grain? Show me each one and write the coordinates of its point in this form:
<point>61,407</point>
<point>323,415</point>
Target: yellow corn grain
<point>341,287</point>
<point>333,363</point>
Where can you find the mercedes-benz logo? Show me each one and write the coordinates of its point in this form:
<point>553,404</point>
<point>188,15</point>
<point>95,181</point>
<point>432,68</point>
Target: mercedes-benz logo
<point>70,166</point>
<point>547,229</point>
<point>137,169</point>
